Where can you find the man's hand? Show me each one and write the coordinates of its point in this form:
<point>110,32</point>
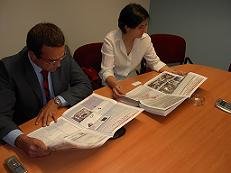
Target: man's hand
<point>31,146</point>
<point>47,114</point>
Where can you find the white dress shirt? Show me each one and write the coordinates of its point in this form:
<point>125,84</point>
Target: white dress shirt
<point>116,62</point>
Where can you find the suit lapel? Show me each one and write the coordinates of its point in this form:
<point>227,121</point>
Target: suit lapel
<point>32,79</point>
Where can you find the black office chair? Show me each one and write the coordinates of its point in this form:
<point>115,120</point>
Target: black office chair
<point>229,67</point>
<point>170,49</point>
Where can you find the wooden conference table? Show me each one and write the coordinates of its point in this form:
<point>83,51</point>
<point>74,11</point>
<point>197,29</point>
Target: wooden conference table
<point>190,139</point>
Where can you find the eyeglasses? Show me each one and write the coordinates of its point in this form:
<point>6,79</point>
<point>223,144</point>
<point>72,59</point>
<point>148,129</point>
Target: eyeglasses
<point>52,61</point>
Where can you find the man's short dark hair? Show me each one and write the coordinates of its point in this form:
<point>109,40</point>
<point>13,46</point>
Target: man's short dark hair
<point>44,34</point>
<point>131,16</point>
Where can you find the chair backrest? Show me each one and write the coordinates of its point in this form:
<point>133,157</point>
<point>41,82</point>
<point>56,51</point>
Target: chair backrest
<point>230,67</point>
<point>89,55</point>
<point>169,48</point>
<point>89,58</point>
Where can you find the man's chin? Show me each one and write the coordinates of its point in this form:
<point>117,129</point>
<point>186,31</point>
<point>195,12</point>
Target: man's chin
<point>52,70</point>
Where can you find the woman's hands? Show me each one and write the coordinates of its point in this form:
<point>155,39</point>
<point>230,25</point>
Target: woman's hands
<point>115,86</point>
<point>117,91</point>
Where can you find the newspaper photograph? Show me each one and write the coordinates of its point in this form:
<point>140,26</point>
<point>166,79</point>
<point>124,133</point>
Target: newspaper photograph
<point>170,83</point>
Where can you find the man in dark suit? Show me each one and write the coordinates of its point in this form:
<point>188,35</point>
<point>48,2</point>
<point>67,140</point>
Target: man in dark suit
<point>36,82</point>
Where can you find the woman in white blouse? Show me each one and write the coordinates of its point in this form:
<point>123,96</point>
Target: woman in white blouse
<point>123,49</point>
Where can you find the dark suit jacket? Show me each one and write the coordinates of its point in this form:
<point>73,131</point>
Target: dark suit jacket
<point>20,93</point>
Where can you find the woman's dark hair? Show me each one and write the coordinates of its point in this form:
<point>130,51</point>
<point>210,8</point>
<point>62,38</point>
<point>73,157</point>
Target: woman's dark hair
<point>131,16</point>
<point>44,34</point>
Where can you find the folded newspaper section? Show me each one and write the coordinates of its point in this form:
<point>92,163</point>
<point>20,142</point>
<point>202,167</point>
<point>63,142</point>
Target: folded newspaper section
<point>88,124</point>
<point>162,94</point>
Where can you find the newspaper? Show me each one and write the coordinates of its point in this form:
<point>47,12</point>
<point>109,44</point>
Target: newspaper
<point>162,94</point>
<point>88,124</point>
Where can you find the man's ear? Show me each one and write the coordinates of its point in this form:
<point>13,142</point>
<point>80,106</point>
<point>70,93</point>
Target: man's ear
<point>32,55</point>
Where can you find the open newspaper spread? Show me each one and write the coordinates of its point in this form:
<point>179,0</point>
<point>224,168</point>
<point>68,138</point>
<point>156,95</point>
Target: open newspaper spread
<point>162,94</point>
<point>88,124</point>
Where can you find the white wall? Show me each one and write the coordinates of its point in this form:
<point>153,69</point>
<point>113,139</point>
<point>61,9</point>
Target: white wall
<point>82,21</point>
<point>206,26</point>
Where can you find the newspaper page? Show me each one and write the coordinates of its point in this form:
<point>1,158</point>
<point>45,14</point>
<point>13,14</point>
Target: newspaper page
<point>189,84</point>
<point>164,93</point>
<point>170,83</point>
<point>101,114</point>
<point>88,124</point>
<point>64,135</point>
<point>152,101</point>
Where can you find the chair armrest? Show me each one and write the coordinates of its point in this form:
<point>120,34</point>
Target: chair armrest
<point>143,67</point>
<point>91,73</point>
<point>187,60</point>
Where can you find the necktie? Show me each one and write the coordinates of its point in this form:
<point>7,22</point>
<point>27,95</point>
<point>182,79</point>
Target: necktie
<point>45,84</point>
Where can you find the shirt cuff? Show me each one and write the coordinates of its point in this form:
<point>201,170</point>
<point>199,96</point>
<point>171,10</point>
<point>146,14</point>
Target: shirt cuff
<point>63,101</point>
<point>11,137</point>
<point>158,66</point>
